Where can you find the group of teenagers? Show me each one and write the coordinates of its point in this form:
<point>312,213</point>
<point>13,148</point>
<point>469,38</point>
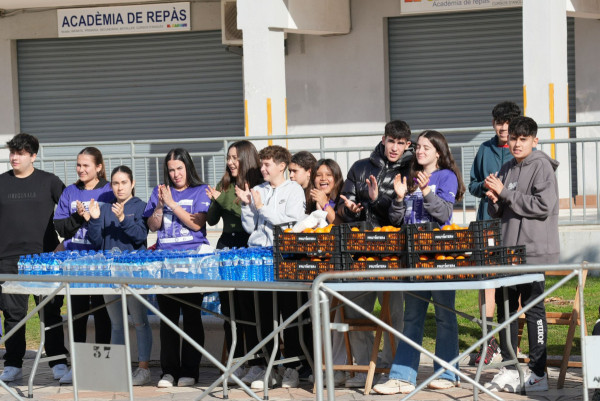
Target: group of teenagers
<point>402,182</point>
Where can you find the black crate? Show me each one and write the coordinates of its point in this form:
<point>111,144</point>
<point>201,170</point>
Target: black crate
<point>359,238</point>
<point>291,267</point>
<point>433,261</point>
<point>503,256</point>
<point>486,233</point>
<point>306,243</point>
<point>366,263</point>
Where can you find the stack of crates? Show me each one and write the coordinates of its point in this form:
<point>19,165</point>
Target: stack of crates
<point>303,256</point>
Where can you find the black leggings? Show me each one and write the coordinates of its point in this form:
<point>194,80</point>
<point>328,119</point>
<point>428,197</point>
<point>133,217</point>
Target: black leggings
<point>537,328</point>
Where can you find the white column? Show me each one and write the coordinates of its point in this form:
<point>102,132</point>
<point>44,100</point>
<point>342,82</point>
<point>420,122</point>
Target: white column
<point>546,95</point>
<point>9,101</point>
<point>264,70</point>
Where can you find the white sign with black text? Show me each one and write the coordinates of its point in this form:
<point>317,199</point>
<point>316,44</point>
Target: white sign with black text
<point>125,20</point>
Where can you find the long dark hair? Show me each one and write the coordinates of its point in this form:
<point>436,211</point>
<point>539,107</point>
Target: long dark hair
<point>124,170</point>
<point>98,160</point>
<point>338,182</point>
<point>191,175</point>
<point>307,161</point>
<point>445,161</point>
<point>249,167</point>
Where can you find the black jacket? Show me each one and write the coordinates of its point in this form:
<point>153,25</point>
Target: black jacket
<point>355,187</point>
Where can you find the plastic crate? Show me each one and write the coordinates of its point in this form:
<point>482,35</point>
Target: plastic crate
<point>429,237</point>
<point>365,240</point>
<point>503,256</point>
<point>292,268</point>
<point>306,243</point>
<point>366,265</point>
<point>416,260</point>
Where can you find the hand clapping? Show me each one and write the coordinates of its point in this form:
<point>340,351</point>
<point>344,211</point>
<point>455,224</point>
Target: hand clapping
<point>353,207</point>
<point>243,195</point>
<point>94,209</point>
<point>212,193</point>
<point>117,209</point>
<point>82,212</point>
<point>400,187</point>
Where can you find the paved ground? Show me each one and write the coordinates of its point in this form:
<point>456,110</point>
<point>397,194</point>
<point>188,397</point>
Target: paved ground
<point>45,388</point>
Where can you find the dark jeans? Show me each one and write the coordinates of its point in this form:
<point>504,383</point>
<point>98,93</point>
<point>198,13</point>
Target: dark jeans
<point>83,303</point>
<point>176,359</point>
<point>14,308</point>
<point>242,312</point>
<point>537,329</point>
<point>288,304</point>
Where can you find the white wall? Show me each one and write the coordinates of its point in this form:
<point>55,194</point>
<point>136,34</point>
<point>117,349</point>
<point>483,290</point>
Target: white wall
<point>587,49</point>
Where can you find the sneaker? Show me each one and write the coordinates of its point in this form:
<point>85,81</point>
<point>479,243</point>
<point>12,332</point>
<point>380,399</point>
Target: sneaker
<point>442,384</point>
<point>339,378</point>
<point>502,378</point>
<point>532,381</point>
<point>394,386</point>
<point>274,380</point>
<point>166,381</point>
<point>492,354</point>
<point>255,373</point>
<point>186,382</point>
<point>59,371</point>
<point>305,373</point>
<point>359,380</point>
<point>382,378</point>
<point>11,373</point>
<point>140,377</point>
<point>239,373</point>
<point>67,378</point>
<point>291,378</point>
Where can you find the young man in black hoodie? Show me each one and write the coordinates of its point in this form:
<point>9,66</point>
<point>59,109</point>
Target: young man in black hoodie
<point>366,196</point>
<point>524,195</point>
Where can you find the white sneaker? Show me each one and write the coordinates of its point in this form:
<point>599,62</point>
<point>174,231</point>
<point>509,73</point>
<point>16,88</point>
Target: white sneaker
<point>359,380</point>
<point>67,378</point>
<point>58,371</point>
<point>339,378</point>
<point>166,381</point>
<point>255,373</point>
<point>442,384</point>
<point>140,377</point>
<point>186,382</point>
<point>274,380</point>
<point>502,378</point>
<point>240,372</point>
<point>11,373</point>
<point>532,381</point>
<point>291,378</point>
<point>394,386</point>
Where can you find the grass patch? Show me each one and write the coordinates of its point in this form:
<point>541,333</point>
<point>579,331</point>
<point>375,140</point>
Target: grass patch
<point>560,301</point>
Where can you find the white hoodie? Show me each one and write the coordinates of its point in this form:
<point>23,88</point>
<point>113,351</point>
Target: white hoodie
<point>283,204</point>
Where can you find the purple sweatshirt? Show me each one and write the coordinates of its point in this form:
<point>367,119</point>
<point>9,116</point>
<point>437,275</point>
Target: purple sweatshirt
<point>173,234</point>
<point>68,223</point>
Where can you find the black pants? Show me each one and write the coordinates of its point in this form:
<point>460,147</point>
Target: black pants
<point>176,359</point>
<point>14,308</point>
<point>537,329</point>
<point>240,298</point>
<point>288,304</point>
<point>83,303</point>
<point>265,313</point>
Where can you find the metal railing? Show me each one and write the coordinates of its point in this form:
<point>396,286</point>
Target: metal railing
<point>579,173</point>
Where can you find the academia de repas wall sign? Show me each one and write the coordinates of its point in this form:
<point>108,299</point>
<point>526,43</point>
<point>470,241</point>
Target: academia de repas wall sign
<point>124,20</point>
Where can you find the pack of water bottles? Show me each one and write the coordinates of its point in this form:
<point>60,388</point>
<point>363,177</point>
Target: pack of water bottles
<point>240,264</point>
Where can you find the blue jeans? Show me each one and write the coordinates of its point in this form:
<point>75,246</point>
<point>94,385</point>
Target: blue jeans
<point>139,315</point>
<point>406,361</point>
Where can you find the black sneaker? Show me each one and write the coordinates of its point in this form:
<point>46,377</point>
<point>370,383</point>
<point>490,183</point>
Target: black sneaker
<point>492,354</point>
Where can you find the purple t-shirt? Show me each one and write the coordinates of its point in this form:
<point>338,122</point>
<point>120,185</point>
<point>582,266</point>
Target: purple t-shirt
<point>444,184</point>
<point>67,205</point>
<point>173,234</point>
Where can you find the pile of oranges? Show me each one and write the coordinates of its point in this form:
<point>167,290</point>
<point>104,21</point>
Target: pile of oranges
<point>324,242</point>
<point>384,239</point>
<point>303,270</point>
<point>453,238</point>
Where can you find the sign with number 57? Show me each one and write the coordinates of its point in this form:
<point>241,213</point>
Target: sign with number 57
<point>101,367</point>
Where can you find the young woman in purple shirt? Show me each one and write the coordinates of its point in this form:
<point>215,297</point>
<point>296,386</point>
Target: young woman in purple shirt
<point>428,194</point>
<point>177,212</point>
<point>71,220</point>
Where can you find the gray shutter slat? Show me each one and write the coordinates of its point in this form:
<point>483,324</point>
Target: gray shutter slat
<point>130,87</point>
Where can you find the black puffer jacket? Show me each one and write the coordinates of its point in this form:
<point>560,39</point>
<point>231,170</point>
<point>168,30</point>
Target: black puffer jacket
<point>355,187</point>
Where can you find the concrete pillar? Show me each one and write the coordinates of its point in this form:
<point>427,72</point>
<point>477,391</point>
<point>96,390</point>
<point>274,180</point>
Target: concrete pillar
<point>545,89</point>
<point>9,101</point>
<point>264,70</point>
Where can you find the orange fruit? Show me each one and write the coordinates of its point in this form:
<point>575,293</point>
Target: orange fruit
<point>423,257</point>
<point>377,229</point>
<point>460,257</point>
<point>320,230</point>
<point>288,230</point>
<point>447,227</point>
<point>436,229</point>
<point>362,259</point>
<point>308,230</point>
<point>394,258</point>
<point>370,259</point>
<point>355,229</point>
<point>440,257</point>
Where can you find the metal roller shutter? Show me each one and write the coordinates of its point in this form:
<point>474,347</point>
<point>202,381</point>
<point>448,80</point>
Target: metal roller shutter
<point>182,85</point>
